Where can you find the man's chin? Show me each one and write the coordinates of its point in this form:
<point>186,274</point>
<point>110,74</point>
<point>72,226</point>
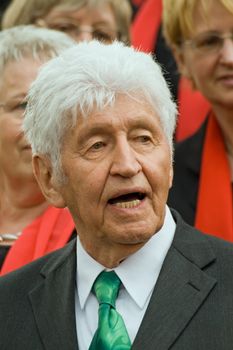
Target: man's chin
<point>133,236</point>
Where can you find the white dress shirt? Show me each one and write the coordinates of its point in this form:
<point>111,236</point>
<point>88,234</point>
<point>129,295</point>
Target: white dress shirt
<point>138,273</point>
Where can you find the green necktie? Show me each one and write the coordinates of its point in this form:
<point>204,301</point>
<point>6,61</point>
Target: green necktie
<point>111,333</point>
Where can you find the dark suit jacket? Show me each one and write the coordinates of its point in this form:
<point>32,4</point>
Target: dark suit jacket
<point>187,164</point>
<point>191,307</point>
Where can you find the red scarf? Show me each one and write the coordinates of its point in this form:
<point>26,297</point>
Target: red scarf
<point>46,233</point>
<point>146,25</point>
<point>193,107</point>
<point>214,213</point>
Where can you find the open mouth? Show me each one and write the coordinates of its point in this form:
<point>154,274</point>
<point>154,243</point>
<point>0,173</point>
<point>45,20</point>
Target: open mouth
<point>128,200</point>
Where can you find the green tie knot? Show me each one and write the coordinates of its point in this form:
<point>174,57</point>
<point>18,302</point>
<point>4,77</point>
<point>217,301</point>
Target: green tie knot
<point>106,288</point>
<point>111,333</point>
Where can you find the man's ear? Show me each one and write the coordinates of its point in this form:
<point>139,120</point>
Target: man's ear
<point>171,176</point>
<point>48,183</point>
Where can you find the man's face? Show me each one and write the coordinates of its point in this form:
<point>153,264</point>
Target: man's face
<point>118,168</point>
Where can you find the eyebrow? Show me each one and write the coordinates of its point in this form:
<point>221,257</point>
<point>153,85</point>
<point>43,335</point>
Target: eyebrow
<point>103,128</point>
<point>99,129</point>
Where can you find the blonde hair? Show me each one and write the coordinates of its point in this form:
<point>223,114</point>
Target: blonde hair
<point>178,17</point>
<point>28,11</point>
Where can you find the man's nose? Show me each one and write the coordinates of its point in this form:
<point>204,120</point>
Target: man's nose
<point>125,162</point>
<point>227,52</point>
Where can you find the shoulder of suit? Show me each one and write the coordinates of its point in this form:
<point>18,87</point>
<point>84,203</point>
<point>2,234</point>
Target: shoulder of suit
<point>200,247</point>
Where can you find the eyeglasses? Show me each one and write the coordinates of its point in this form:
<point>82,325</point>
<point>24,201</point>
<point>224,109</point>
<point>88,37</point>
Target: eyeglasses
<point>208,42</point>
<point>100,33</point>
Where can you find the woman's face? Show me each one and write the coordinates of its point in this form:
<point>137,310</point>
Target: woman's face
<point>207,60</point>
<point>15,153</point>
<point>86,23</point>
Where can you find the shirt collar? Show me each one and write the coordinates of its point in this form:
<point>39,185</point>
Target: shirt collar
<point>138,273</point>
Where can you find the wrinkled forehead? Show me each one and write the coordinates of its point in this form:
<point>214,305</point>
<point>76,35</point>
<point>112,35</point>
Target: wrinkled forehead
<point>98,102</point>
<point>123,112</point>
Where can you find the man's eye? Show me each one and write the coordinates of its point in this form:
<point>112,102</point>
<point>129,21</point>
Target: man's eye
<point>144,138</point>
<point>97,145</point>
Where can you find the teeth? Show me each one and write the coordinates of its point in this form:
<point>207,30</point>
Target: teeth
<point>128,205</point>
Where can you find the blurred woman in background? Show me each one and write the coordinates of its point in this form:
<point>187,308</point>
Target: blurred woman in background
<point>104,20</point>
<point>29,227</point>
<point>200,33</point>
<point>147,35</point>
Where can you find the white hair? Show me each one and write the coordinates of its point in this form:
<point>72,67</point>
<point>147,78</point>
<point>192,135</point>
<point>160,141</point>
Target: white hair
<point>88,76</point>
<point>30,41</point>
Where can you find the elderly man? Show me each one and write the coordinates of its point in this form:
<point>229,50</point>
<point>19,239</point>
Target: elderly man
<point>100,121</point>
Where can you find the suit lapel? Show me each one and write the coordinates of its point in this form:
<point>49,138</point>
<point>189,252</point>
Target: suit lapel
<point>53,302</point>
<point>180,291</point>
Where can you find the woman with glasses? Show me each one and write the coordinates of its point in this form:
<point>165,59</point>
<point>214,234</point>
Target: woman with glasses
<point>149,38</point>
<point>200,33</point>
<point>104,20</point>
